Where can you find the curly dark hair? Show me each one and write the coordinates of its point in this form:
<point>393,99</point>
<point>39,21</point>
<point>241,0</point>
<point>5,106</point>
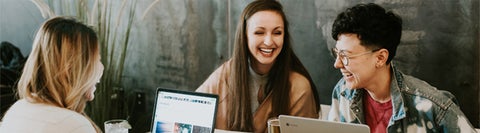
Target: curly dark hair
<point>375,27</point>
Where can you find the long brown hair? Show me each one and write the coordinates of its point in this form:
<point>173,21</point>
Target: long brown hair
<point>239,115</point>
<point>62,67</point>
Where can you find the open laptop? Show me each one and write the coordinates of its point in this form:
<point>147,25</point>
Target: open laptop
<point>294,124</point>
<point>184,112</point>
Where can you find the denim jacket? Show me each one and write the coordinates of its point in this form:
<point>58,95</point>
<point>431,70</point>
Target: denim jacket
<point>417,107</point>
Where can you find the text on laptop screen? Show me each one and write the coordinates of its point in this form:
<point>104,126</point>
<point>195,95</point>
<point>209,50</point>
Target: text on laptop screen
<point>179,112</point>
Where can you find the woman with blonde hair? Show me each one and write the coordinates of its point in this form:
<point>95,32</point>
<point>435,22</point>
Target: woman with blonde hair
<point>264,78</point>
<point>58,79</point>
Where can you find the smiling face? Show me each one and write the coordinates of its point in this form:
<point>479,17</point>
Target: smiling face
<point>360,71</point>
<point>265,33</point>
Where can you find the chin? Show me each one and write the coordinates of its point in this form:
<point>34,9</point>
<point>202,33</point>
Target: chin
<point>267,62</point>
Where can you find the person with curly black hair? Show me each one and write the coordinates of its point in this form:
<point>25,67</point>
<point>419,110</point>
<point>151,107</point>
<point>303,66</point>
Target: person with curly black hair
<point>372,91</point>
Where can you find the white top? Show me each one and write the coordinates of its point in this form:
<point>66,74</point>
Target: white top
<point>26,117</point>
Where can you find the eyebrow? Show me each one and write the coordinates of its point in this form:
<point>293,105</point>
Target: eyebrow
<point>262,27</point>
<point>279,27</point>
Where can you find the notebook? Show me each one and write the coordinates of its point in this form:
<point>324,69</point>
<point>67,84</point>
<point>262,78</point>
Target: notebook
<point>184,112</point>
<point>293,124</point>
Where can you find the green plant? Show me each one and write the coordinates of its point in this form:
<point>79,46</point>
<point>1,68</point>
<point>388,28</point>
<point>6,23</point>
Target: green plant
<point>114,34</point>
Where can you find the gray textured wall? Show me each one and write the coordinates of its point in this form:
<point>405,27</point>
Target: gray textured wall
<point>180,42</point>
<point>19,20</point>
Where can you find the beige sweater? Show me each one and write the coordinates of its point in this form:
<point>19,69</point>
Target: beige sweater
<point>302,102</point>
<point>26,117</point>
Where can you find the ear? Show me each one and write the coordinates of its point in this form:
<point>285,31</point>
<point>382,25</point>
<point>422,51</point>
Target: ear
<point>382,57</point>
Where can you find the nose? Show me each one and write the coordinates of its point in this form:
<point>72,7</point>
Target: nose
<point>338,63</point>
<point>268,40</point>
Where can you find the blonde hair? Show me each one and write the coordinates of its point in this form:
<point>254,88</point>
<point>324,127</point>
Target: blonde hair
<point>63,65</point>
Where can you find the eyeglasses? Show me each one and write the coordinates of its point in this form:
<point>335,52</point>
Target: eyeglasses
<point>344,57</point>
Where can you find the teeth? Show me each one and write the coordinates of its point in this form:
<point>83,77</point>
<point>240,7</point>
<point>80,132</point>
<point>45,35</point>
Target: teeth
<point>266,50</point>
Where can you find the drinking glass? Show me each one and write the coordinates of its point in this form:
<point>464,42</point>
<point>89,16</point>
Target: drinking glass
<point>117,126</point>
<point>273,125</point>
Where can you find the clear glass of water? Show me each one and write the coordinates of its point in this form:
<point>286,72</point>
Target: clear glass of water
<point>117,126</point>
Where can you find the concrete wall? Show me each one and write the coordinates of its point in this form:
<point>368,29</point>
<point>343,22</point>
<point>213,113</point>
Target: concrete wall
<point>180,42</point>
<point>19,21</point>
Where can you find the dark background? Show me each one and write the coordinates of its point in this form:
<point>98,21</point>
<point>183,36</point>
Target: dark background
<point>179,43</point>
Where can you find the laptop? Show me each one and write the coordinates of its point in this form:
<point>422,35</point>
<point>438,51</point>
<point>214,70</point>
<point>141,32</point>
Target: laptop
<point>294,124</point>
<point>180,111</point>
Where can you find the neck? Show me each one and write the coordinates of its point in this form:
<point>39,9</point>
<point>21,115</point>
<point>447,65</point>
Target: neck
<point>380,90</point>
<point>260,68</point>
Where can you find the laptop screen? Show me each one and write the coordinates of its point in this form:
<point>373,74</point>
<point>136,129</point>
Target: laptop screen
<point>184,112</point>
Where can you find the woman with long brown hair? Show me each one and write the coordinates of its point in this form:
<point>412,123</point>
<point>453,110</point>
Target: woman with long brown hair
<point>264,78</point>
<point>58,79</point>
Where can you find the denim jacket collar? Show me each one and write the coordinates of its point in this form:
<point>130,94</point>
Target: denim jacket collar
<point>396,85</point>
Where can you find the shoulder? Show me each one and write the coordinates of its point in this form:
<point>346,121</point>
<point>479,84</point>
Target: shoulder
<point>299,83</point>
<point>298,79</point>
<point>414,83</point>
<point>43,116</point>
<point>65,120</point>
<point>222,71</point>
<point>217,76</point>
<point>74,122</point>
<point>422,91</point>
<point>216,83</point>
<point>439,103</point>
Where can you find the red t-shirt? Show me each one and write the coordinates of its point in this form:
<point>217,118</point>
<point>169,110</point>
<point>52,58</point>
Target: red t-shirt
<point>377,114</point>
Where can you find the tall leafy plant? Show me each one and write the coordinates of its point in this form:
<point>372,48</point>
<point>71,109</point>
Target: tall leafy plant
<point>108,19</point>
